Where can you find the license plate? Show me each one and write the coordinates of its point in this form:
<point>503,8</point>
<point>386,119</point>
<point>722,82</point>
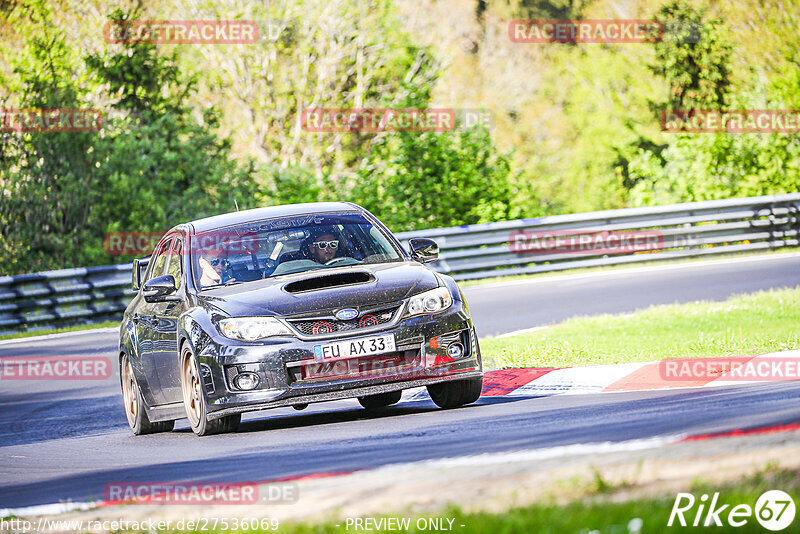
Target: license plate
<point>353,348</point>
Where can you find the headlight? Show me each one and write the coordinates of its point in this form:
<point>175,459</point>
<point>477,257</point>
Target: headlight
<point>432,301</point>
<point>252,328</point>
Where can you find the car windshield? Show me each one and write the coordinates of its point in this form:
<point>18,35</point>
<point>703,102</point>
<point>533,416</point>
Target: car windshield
<point>287,245</point>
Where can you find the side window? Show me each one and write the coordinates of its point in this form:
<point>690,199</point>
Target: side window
<point>175,265</point>
<point>159,260</point>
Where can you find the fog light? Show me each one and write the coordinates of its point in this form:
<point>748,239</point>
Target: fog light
<point>246,381</point>
<point>455,350</point>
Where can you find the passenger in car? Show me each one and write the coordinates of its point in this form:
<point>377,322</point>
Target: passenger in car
<point>208,274</point>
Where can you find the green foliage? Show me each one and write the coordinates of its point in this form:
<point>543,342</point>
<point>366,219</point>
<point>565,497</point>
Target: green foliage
<point>47,178</point>
<point>429,180</point>
<point>716,166</point>
<point>146,84</point>
<point>295,185</point>
<point>190,128</point>
<point>152,166</point>
<point>693,57</point>
<point>332,54</point>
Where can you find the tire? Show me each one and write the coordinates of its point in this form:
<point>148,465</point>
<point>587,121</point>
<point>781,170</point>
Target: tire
<point>194,400</point>
<point>456,393</point>
<point>134,404</point>
<point>381,400</point>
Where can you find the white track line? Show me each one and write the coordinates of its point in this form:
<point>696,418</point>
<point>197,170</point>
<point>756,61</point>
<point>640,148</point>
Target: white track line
<point>47,509</point>
<point>60,335</point>
<point>524,331</point>
<point>547,453</point>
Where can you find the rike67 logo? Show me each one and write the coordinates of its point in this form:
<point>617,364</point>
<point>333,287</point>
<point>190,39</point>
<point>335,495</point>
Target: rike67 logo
<point>774,510</point>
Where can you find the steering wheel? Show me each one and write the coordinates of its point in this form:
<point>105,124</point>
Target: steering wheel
<point>226,272</point>
<point>334,261</point>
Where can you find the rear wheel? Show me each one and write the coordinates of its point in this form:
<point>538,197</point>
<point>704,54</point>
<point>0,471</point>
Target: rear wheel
<point>456,393</point>
<point>134,404</point>
<point>195,401</point>
<point>380,400</point>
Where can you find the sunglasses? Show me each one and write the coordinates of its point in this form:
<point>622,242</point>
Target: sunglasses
<point>322,245</point>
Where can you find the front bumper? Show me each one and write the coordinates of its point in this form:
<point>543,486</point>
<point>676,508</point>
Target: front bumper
<point>277,362</point>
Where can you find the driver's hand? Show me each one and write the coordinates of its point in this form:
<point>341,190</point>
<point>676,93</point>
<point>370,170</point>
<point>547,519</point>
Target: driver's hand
<point>209,276</point>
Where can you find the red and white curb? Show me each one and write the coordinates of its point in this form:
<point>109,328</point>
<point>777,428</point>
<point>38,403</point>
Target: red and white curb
<point>641,376</point>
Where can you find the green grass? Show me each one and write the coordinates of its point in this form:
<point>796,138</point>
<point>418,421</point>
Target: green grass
<point>766,321</point>
<point>75,328</point>
<point>599,512</point>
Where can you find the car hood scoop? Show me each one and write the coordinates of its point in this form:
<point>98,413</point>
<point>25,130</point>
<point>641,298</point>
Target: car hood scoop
<point>329,280</point>
<point>347,287</point>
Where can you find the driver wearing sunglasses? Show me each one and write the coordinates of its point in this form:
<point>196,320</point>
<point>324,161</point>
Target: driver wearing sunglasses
<point>323,248</point>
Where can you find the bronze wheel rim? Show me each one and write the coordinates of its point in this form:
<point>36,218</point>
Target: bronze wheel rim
<point>192,394</point>
<point>130,393</point>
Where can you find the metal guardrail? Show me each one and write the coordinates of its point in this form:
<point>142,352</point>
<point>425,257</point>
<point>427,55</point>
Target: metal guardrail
<point>683,230</point>
<point>65,297</point>
<point>96,294</point>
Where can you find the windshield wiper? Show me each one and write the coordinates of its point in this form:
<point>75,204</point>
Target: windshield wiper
<point>228,283</point>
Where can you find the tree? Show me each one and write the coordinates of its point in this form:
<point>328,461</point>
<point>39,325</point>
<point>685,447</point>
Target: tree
<point>154,164</point>
<point>693,57</point>
<point>428,180</point>
<point>333,54</point>
<point>47,178</point>
<point>156,153</point>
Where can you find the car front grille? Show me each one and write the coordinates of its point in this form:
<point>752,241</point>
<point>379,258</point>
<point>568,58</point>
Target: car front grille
<point>320,326</point>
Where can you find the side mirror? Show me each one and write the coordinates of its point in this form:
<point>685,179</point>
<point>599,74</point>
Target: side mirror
<point>160,289</point>
<point>139,267</point>
<point>423,250</point>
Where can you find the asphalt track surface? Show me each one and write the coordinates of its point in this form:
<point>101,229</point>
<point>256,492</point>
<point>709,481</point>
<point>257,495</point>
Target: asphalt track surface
<point>65,440</point>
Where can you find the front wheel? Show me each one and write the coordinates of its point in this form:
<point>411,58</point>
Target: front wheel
<point>371,402</point>
<point>134,404</point>
<point>456,393</point>
<point>195,401</point>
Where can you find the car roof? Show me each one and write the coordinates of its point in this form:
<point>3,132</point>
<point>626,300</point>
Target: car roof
<point>257,214</point>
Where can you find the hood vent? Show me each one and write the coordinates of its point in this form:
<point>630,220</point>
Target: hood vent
<point>331,280</point>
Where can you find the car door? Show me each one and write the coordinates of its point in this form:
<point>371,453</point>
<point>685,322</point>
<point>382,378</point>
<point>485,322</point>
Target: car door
<point>146,318</point>
<point>167,314</point>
